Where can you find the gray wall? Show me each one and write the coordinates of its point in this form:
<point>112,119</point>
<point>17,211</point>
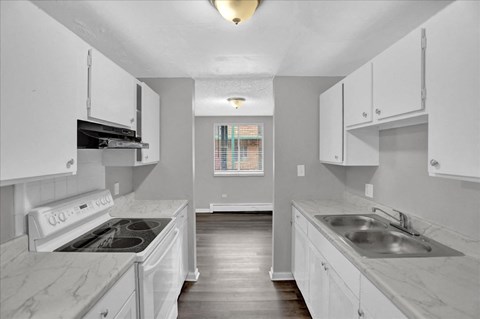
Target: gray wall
<point>239,189</point>
<point>172,177</point>
<point>296,142</point>
<point>401,181</point>
<point>7,214</point>
<point>122,175</point>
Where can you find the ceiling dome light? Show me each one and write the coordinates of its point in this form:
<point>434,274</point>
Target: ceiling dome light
<point>236,102</point>
<point>236,11</point>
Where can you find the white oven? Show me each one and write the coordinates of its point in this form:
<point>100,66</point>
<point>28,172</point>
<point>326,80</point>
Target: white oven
<point>158,280</point>
<point>82,223</point>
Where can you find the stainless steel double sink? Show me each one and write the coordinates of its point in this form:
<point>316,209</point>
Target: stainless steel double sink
<point>373,237</point>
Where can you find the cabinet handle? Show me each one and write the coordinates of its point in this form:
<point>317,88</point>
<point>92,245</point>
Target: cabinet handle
<point>104,313</point>
<point>434,163</point>
<point>378,111</point>
<point>360,313</point>
<point>132,120</point>
<point>336,156</point>
<point>364,114</point>
<point>70,163</point>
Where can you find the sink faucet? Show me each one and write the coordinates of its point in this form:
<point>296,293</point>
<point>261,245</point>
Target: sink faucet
<point>404,222</point>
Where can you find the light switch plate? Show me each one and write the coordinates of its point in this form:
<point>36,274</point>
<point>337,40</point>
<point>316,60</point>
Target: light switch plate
<point>369,190</point>
<point>300,170</point>
<point>116,188</point>
<point>224,195</point>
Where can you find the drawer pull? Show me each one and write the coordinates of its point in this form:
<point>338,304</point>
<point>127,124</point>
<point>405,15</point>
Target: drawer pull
<point>360,313</point>
<point>104,313</point>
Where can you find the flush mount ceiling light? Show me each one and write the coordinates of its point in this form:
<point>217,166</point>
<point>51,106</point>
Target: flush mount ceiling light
<point>236,102</point>
<point>236,11</point>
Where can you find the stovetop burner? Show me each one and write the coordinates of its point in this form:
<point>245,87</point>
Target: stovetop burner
<point>143,225</point>
<point>118,235</point>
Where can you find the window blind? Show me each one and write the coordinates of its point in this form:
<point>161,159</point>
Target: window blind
<point>238,148</point>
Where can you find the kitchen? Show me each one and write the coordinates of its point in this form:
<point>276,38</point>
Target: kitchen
<point>357,105</point>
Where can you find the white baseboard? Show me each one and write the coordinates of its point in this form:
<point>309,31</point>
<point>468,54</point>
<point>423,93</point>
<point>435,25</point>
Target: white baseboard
<point>193,276</point>
<point>241,207</point>
<point>280,276</point>
<point>203,211</point>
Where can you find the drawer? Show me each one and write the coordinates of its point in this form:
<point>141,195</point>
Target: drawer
<point>300,220</point>
<point>113,301</point>
<point>345,269</point>
<point>375,303</point>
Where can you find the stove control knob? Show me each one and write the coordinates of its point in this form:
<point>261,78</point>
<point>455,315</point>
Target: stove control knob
<point>52,220</point>
<point>103,201</point>
<point>107,198</point>
<point>62,216</point>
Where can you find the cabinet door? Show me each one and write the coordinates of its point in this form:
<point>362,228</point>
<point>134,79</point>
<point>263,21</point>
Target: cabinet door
<point>301,262</point>
<point>129,309</point>
<point>183,246</point>
<point>331,124</point>
<point>150,126</point>
<point>375,304</point>
<point>112,91</point>
<point>43,80</point>
<point>318,285</point>
<point>342,303</point>
<point>117,300</point>
<point>358,96</point>
<point>453,100</point>
<point>397,78</point>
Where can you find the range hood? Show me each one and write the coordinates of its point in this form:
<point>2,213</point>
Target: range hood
<point>99,136</point>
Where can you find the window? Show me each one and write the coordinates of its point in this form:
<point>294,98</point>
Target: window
<point>238,149</point>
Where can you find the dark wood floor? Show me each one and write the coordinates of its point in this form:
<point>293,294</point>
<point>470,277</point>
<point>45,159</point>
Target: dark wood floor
<point>234,255</point>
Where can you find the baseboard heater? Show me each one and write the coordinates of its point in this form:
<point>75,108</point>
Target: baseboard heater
<point>242,207</point>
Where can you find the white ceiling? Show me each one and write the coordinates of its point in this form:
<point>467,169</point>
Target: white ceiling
<point>211,96</point>
<point>190,39</point>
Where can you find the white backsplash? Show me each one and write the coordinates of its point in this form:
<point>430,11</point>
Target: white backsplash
<point>90,176</point>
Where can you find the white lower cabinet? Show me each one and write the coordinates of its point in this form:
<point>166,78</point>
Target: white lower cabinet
<point>331,285</point>
<point>119,302</point>
<point>318,278</point>
<point>182,222</point>
<point>374,304</point>
<point>129,309</point>
<point>300,262</point>
<point>342,302</point>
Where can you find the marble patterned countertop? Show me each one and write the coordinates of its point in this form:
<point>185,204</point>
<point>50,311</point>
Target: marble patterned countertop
<point>129,207</point>
<point>437,287</point>
<point>66,285</point>
<point>55,285</point>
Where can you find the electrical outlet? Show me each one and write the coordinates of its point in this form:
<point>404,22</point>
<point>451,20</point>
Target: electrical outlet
<point>369,190</point>
<point>300,170</point>
<point>224,195</point>
<point>116,188</point>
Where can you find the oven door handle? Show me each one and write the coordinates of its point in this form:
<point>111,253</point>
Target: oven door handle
<point>149,269</point>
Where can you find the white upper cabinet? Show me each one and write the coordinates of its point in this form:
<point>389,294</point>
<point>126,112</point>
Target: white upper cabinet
<point>453,86</point>
<point>357,92</point>
<point>340,147</point>
<point>331,125</point>
<point>398,79</point>
<point>112,92</point>
<point>150,126</point>
<point>43,81</point>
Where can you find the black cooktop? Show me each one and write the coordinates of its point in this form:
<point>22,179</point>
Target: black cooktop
<point>118,235</point>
